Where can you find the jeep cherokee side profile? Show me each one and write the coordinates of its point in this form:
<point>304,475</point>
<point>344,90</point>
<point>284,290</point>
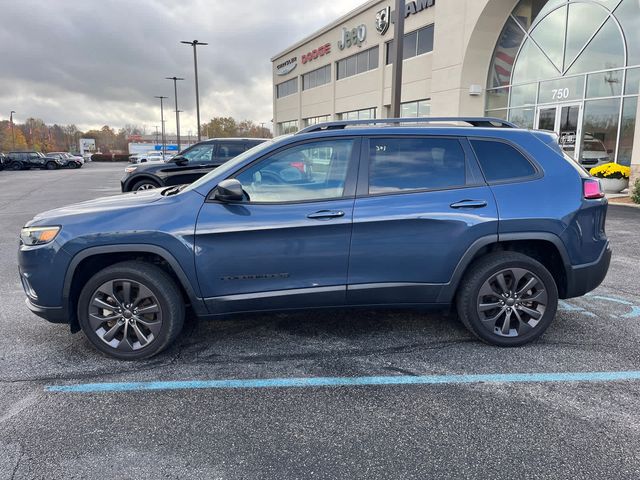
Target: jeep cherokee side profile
<point>495,221</point>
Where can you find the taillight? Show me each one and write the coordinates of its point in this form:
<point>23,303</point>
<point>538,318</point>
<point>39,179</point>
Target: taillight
<point>592,189</point>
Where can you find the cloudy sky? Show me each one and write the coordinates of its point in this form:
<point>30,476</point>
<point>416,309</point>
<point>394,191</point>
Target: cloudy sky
<point>100,62</point>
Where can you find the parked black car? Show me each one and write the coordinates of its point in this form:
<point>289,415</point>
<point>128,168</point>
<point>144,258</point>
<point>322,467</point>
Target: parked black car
<point>32,159</point>
<point>186,167</point>
<point>67,160</point>
<point>3,160</point>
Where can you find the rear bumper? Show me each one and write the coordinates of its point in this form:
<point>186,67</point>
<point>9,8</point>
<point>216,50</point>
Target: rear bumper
<point>50,314</point>
<point>582,279</point>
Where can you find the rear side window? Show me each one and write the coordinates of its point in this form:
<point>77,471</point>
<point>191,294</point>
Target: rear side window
<point>230,150</point>
<point>406,164</point>
<point>500,161</point>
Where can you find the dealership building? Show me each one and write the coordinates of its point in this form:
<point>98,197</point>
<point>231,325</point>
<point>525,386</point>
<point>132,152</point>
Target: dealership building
<point>571,66</point>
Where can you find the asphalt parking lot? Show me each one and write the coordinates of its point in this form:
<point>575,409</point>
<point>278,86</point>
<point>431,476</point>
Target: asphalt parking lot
<point>496,428</point>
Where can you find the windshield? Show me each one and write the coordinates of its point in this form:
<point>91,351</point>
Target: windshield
<point>230,165</point>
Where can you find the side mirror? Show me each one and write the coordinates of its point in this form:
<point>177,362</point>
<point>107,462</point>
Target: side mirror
<point>180,160</point>
<point>229,190</point>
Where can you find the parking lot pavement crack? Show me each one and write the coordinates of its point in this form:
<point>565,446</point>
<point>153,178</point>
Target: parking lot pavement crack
<point>19,406</point>
<point>15,468</point>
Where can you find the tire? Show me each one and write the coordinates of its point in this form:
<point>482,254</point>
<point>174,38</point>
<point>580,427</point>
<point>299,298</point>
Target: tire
<point>15,166</point>
<point>513,320</point>
<point>145,184</point>
<point>51,166</point>
<point>150,289</point>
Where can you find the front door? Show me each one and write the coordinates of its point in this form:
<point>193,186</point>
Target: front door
<point>200,162</point>
<point>287,244</point>
<point>566,122</point>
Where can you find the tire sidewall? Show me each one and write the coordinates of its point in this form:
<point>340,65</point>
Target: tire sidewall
<point>86,297</point>
<point>550,311</point>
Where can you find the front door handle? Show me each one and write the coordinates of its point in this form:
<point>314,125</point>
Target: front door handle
<point>326,214</point>
<point>469,204</point>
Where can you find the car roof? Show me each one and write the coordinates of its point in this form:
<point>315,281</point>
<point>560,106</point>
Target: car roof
<point>234,139</point>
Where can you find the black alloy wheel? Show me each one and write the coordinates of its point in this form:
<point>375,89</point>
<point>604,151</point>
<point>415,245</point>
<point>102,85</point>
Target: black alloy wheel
<point>51,166</point>
<point>507,299</point>
<point>15,166</point>
<point>131,310</point>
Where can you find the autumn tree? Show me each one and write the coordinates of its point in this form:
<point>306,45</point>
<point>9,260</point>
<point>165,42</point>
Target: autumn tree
<point>7,139</point>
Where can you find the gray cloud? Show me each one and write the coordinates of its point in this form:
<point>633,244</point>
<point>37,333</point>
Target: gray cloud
<point>98,62</point>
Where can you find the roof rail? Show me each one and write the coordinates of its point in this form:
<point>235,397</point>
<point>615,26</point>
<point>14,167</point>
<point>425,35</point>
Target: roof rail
<point>473,121</point>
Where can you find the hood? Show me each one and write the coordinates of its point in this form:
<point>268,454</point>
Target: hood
<point>100,205</point>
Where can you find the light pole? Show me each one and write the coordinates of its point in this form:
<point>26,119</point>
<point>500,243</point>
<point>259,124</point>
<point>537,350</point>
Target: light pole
<point>162,122</point>
<point>398,49</point>
<point>175,90</point>
<point>194,44</point>
<point>13,137</point>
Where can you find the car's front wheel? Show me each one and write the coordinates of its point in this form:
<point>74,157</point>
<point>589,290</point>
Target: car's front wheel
<point>507,299</point>
<point>51,166</point>
<point>15,166</point>
<point>131,310</point>
<point>144,185</point>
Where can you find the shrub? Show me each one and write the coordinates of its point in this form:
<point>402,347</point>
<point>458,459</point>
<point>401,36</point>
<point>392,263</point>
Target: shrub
<point>635,192</point>
<point>611,170</point>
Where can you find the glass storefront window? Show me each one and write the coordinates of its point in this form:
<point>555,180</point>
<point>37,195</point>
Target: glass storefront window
<point>528,10</point>
<point>605,84</point>
<point>522,117</point>
<point>584,20</point>
<point>505,54</point>
<point>498,98</point>
<point>421,108</point>
<point>522,95</point>
<point>605,51</point>
<point>632,83</point>
<point>532,65</point>
<point>600,129</point>
<point>501,114</point>
<point>627,130</point>
<point>561,90</point>
<point>546,35</point>
<point>628,14</point>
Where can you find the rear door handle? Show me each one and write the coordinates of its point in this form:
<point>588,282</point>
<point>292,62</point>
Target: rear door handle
<point>326,214</point>
<point>469,204</point>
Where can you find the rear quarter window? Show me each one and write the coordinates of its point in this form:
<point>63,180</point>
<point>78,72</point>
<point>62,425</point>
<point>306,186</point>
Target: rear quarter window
<point>501,162</point>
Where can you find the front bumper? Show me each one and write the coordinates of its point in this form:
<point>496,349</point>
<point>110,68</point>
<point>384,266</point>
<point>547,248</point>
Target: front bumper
<point>50,314</point>
<point>582,279</point>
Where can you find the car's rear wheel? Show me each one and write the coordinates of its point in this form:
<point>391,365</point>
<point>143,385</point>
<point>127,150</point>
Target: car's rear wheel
<point>144,185</point>
<point>51,166</point>
<point>131,310</point>
<point>507,299</point>
<point>15,166</point>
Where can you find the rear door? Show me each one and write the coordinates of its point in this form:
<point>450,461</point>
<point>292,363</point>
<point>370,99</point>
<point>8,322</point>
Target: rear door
<point>421,203</point>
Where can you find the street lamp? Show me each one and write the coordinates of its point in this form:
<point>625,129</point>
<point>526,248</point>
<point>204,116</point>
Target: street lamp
<point>398,49</point>
<point>162,122</point>
<point>13,137</point>
<point>194,44</point>
<point>175,89</point>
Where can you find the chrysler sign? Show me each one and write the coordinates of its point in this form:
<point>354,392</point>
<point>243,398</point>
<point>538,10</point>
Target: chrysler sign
<point>287,66</point>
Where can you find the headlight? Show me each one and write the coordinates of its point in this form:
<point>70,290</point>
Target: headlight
<point>38,235</point>
<point>130,169</point>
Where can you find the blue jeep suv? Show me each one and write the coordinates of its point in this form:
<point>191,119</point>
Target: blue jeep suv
<point>472,213</point>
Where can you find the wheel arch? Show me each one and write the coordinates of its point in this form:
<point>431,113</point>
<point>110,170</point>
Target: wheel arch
<point>544,247</point>
<point>143,176</point>
<point>87,262</point>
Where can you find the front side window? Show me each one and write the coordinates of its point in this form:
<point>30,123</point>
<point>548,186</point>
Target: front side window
<point>409,164</point>
<point>312,171</point>
<point>199,153</point>
<point>500,161</point>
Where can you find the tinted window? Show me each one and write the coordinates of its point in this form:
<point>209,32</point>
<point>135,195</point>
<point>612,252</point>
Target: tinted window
<point>199,153</point>
<point>227,151</point>
<point>404,164</point>
<point>500,161</point>
<point>313,171</point>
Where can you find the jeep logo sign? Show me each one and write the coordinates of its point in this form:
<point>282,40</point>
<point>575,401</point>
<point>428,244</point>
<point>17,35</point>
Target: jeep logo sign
<point>352,37</point>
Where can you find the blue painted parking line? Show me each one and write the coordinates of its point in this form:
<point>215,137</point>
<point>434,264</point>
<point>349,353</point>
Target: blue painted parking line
<point>347,381</point>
